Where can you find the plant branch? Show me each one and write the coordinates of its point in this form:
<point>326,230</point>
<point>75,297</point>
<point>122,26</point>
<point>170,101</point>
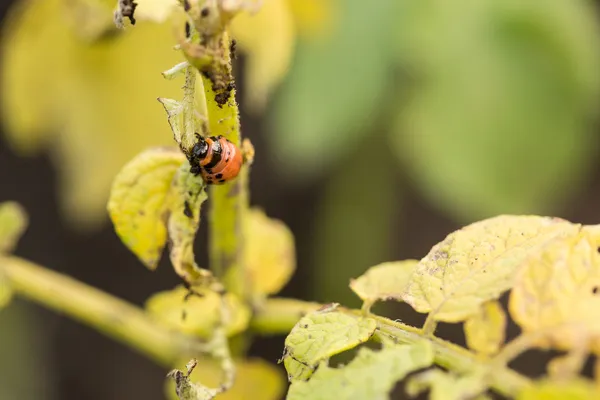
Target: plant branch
<point>115,318</point>
<point>279,315</point>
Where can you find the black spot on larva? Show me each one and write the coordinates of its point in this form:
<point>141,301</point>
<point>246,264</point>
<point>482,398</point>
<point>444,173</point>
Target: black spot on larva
<point>221,180</point>
<point>219,176</point>
<point>187,211</point>
<point>595,290</point>
<point>205,12</point>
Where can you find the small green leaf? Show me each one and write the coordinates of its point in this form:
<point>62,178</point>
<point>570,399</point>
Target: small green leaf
<point>138,202</point>
<point>187,195</point>
<point>385,281</point>
<point>445,386</point>
<point>370,375</point>
<point>320,335</point>
<point>270,255</point>
<point>477,264</point>
<point>559,390</point>
<point>198,314</point>
<point>13,221</point>
<point>485,331</point>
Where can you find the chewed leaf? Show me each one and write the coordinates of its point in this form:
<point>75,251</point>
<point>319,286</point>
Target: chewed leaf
<point>320,335</point>
<point>137,205</point>
<point>185,199</point>
<point>485,331</point>
<point>13,221</point>
<point>199,313</point>
<point>270,256</point>
<point>560,390</point>
<point>385,281</point>
<point>477,263</point>
<point>557,294</point>
<point>258,377</point>
<point>444,386</point>
<point>370,375</point>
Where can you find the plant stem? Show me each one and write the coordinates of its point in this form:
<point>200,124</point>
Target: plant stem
<point>113,317</point>
<point>278,316</point>
<point>229,201</point>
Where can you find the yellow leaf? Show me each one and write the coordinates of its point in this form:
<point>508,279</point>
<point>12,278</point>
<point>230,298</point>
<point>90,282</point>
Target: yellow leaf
<point>557,294</point>
<point>187,195</point>
<point>255,378</point>
<point>321,335</point>
<point>138,202</point>
<point>198,314</point>
<point>385,281</point>
<point>486,330</point>
<point>268,39</point>
<point>477,264</point>
<point>13,221</point>
<point>94,103</point>
<point>270,257</point>
<point>446,386</point>
<point>552,390</point>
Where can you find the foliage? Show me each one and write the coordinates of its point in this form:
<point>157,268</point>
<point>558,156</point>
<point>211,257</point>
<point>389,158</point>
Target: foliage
<point>549,267</point>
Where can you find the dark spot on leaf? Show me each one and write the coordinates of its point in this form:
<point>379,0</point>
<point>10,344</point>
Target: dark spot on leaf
<point>187,211</point>
<point>232,49</point>
<point>141,212</point>
<point>204,12</point>
<point>304,326</point>
<point>188,30</point>
<point>596,290</point>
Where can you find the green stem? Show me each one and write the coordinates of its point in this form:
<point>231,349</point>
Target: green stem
<point>278,316</point>
<point>115,318</point>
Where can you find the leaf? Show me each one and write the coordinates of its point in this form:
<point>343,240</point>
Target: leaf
<point>474,134</point>
<point>557,294</point>
<point>138,202</point>
<point>445,386</point>
<point>556,390</point>
<point>254,377</point>
<point>327,107</point>
<point>370,375</point>
<point>13,222</point>
<point>197,315</point>
<point>477,264</point>
<point>486,330</point>
<point>321,335</point>
<point>92,103</point>
<point>386,281</point>
<point>268,37</point>
<point>270,255</point>
<point>187,195</point>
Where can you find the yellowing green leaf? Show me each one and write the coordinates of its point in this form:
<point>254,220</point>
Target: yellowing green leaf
<point>444,386</point>
<point>474,134</point>
<point>138,202</point>
<point>477,264</point>
<point>557,390</point>
<point>557,294</point>
<point>320,335</point>
<point>255,378</point>
<point>187,195</point>
<point>13,221</point>
<point>385,281</point>
<point>197,315</point>
<point>94,104</point>
<point>370,375</point>
<point>270,258</point>
<point>485,331</point>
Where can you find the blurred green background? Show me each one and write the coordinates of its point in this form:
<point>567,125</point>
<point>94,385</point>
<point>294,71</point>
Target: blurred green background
<point>379,127</point>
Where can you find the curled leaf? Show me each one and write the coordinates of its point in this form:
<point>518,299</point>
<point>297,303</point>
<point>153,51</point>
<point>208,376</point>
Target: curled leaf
<point>485,331</point>
<point>198,314</point>
<point>370,375</point>
<point>185,199</point>
<point>319,336</point>
<point>477,264</point>
<point>138,202</point>
<point>13,221</point>
<point>270,258</point>
<point>385,281</point>
<point>255,377</point>
<point>557,294</point>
